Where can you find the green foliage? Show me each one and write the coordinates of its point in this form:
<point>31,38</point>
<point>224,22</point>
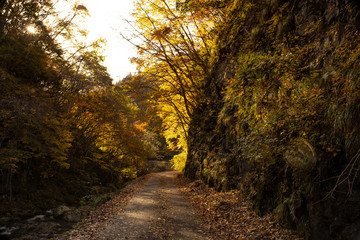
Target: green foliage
<point>270,99</point>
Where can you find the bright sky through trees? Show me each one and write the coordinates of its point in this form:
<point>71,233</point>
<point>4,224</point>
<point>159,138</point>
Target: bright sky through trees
<point>31,29</point>
<point>107,21</point>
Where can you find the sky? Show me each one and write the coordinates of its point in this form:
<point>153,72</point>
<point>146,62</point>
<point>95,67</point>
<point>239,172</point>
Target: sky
<point>107,21</point>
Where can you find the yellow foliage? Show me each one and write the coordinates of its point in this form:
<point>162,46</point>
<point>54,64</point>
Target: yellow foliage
<point>179,160</point>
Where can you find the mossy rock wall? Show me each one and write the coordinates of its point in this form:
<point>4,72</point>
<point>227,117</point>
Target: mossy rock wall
<point>278,114</point>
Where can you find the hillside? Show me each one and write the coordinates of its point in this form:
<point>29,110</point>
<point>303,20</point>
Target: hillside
<point>279,115</point>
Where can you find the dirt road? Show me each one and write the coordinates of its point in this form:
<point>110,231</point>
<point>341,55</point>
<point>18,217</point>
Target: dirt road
<point>152,207</point>
<point>158,211</point>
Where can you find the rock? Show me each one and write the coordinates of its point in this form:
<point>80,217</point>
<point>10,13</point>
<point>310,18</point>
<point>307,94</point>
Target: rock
<point>72,216</point>
<point>68,214</point>
<point>61,210</point>
<point>50,212</point>
<point>36,218</point>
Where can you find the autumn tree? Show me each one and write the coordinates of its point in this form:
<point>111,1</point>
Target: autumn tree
<point>31,121</point>
<point>62,122</point>
<point>174,42</point>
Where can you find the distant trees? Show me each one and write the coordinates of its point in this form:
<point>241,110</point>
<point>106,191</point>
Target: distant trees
<point>174,42</point>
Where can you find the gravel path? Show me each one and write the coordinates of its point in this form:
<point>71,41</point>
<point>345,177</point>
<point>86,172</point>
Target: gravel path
<point>158,211</point>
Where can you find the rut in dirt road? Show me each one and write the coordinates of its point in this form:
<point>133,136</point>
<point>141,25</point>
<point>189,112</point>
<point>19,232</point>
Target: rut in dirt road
<point>158,211</point>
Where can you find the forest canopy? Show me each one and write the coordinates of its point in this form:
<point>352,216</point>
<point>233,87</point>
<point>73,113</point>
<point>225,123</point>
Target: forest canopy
<point>63,124</point>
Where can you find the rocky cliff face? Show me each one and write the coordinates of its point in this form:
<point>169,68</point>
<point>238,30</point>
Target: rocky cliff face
<point>279,116</point>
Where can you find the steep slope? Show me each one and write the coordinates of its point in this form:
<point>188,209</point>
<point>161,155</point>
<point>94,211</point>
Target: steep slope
<point>279,116</point>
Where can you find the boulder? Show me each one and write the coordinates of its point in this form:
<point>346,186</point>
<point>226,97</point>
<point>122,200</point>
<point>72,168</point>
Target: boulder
<point>61,210</point>
<point>72,216</point>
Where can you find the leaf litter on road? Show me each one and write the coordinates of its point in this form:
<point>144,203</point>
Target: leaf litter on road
<point>98,218</point>
<point>227,215</point>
